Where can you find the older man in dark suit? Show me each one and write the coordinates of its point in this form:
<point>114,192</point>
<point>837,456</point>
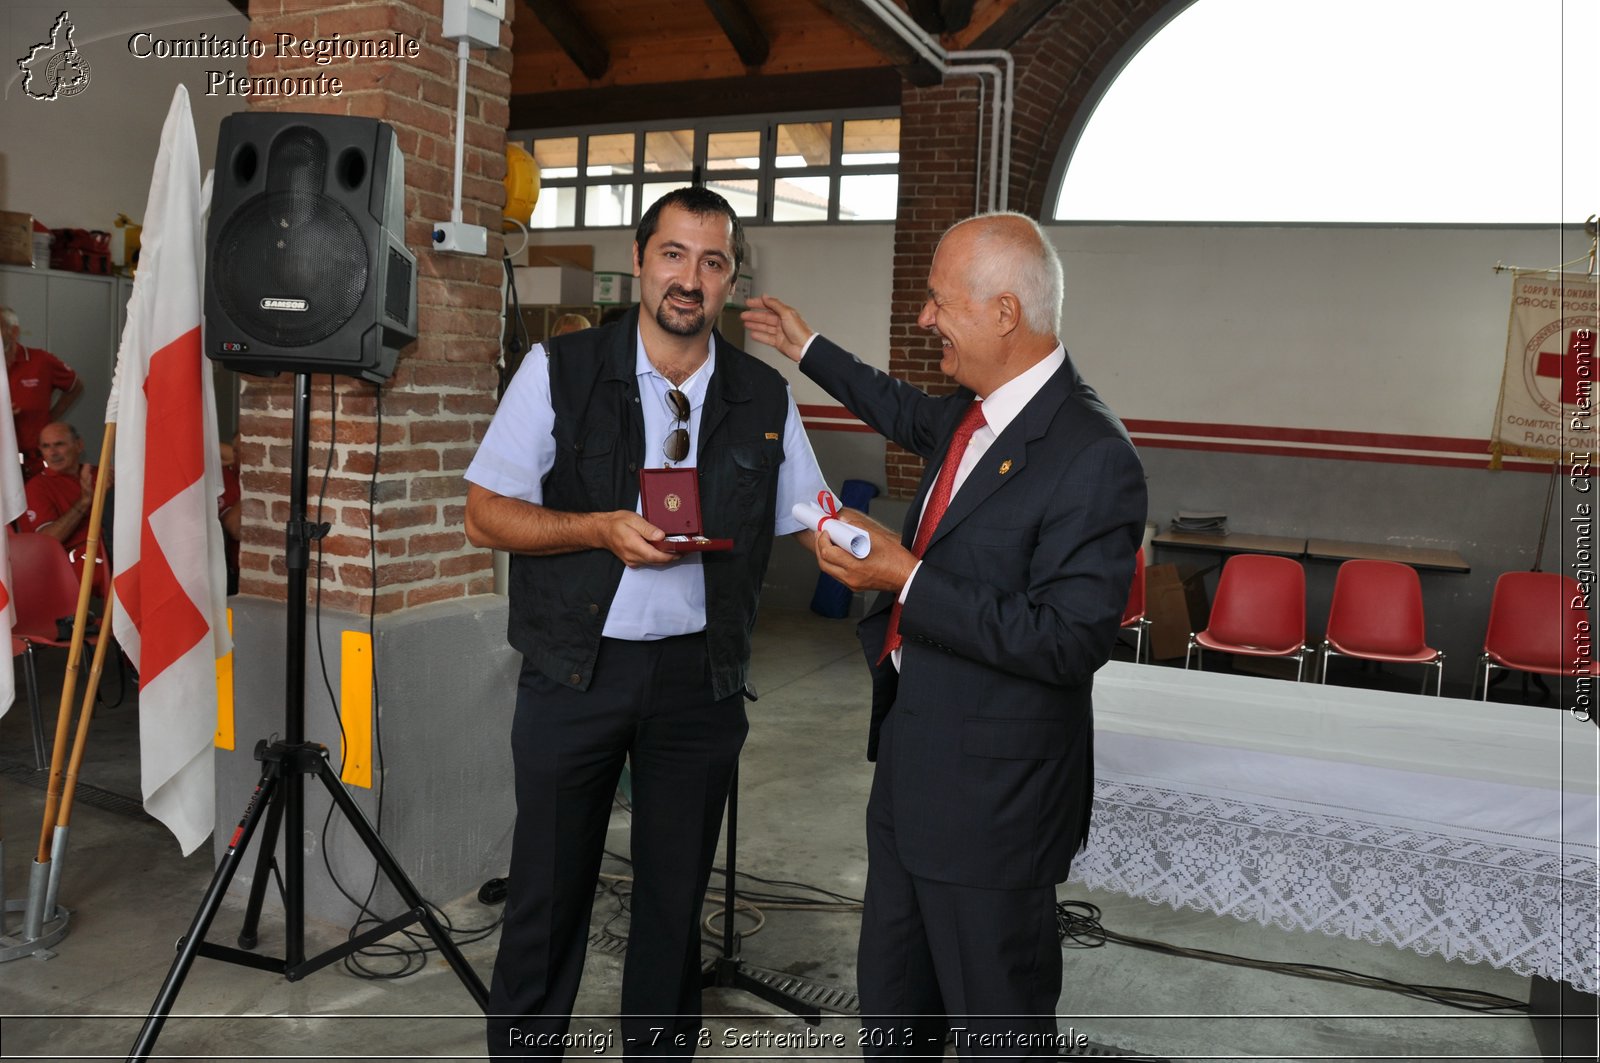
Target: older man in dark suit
<point>1002,598</point>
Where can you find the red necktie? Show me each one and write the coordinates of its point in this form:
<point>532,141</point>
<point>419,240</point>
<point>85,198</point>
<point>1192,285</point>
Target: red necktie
<point>938,502</point>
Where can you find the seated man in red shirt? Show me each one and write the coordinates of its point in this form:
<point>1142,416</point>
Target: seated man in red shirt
<point>42,388</point>
<point>59,498</point>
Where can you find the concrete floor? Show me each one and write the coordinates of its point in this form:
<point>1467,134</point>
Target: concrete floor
<point>804,789</point>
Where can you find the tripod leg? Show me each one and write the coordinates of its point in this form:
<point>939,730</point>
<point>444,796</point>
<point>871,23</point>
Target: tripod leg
<point>265,796</point>
<point>266,863</point>
<point>402,884</point>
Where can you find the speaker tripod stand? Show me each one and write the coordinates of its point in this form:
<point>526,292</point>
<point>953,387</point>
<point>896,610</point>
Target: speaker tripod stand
<point>729,971</point>
<point>280,797</point>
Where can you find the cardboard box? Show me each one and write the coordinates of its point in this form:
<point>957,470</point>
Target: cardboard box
<point>573,256</point>
<point>1175,604</point>
<point>16,238</point>
<point>613,289</point>
<point>553,285</point>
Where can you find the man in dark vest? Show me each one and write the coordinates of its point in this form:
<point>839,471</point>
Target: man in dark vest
<point>633,648</point>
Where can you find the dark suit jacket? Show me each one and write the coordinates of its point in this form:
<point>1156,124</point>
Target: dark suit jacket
<point>1016,604</point>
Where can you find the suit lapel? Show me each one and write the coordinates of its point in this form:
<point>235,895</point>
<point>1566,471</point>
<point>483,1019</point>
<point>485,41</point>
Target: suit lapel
<point>1009,451</point>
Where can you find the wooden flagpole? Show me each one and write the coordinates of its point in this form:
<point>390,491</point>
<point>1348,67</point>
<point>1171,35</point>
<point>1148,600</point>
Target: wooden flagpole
<point>69,683</point>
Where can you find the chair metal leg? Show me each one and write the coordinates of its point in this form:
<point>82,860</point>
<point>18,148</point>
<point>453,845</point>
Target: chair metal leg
<point>1327,652</point>
<point>1487,665</point>
<point>1190,652</point>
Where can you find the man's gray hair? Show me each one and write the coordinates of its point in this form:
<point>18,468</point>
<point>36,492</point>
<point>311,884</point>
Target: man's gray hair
<point>9,319</point>
<point>1019,259</point>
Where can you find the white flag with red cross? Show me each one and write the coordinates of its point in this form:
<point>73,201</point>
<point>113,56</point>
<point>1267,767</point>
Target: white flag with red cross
<point>169,578</point>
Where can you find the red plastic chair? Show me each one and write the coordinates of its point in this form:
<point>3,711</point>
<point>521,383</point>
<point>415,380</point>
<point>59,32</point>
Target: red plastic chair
<point>1534,627</point>
<point>1133,618</point>
<point>1259,611</point>
<point>1376,615</point>
<point>45,590</point>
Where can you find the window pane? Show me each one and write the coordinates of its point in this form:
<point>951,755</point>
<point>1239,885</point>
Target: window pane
<point>556,157</point>
<point>669,151</point>
<point>871,140</point>
<point>742,196</point>
<point>868,197</point>
<point>734,151</point>
<point>557,208</point>
<point>800,199</point>
<point>805,144</point>
<point>652,192</point>
<point>610,154</point>
<point>608,205</point>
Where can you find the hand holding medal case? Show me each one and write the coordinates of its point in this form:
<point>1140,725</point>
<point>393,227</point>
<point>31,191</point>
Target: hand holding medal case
<point>670,499</point>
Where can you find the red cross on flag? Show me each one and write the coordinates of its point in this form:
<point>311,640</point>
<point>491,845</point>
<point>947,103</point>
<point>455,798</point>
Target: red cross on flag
<point>169,579</point>
<point>1549,390</point>
<point>12,503</point>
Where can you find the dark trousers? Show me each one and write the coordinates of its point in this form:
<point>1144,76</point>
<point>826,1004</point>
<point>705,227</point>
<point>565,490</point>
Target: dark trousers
<point>649,704</point>
<point>938,957</point>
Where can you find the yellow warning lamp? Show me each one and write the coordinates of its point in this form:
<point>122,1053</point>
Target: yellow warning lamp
<point>522,183</point>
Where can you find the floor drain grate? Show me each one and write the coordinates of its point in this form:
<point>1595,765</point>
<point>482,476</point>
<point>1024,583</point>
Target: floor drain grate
<point>87,793</point>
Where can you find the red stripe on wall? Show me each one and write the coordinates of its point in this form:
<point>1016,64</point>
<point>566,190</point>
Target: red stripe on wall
<point>1326,436</point>
<point>1337,455</point>
<point>1325,444</point>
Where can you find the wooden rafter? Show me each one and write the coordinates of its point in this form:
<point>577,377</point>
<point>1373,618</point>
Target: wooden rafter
<point>813,140</point>
<point>742,30</point>
<point>866,25</point>
<point>926,14</point>
<point>754,94</point>
<point>956,14</point>
<point>1009,27</point>
<point>587,51</point>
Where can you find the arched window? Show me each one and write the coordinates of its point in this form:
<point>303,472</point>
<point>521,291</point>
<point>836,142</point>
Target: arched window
<point>1422,111</point>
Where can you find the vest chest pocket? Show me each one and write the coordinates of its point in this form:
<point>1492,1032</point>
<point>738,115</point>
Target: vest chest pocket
<point>593,461</point>
<point>755,478</point>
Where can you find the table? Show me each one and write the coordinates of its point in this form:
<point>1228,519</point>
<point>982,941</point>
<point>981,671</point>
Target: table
<point>1443,826</point>
<point>1415,556</point>
<point>1233,543</point>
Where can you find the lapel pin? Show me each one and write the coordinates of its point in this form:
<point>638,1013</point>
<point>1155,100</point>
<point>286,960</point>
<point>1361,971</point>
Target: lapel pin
<point>1005,466</point>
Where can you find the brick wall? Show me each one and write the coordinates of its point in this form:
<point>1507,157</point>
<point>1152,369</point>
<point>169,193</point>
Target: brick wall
<point>436,407</point>
<point>1057,61</point>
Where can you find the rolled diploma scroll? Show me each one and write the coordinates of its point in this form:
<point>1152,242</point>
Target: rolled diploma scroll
<point>843,535</point>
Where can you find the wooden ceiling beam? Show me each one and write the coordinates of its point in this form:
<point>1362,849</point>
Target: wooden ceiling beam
<point>813,140</point>
<point>755,94</point>
<point>587,51</point>
<point>926,14</point>
<point>870,28</point>
<point>1009,27</point>
<point>742,30</point>
<point>955,14</point>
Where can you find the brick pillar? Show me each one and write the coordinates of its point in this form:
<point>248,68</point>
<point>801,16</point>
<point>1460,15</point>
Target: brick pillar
<point>436,407</point>
<point>1057,61</point>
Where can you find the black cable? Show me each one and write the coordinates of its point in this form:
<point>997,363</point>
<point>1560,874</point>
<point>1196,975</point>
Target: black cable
<point>412,959</point>
<point>1083,921</point>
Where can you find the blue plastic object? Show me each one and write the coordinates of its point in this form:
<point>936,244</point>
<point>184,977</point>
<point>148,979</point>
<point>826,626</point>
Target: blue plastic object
<point>832,598</point>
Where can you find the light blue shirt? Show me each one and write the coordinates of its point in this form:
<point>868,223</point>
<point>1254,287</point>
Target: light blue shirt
<point>519,450</point>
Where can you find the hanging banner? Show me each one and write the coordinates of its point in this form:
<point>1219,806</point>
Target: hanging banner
<point>1548,391</point>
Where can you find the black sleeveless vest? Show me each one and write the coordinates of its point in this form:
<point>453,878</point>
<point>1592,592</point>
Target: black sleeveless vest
<point>559,603</point>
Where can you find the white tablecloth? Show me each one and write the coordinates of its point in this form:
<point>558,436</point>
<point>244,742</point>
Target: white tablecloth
<point>1434,824</point>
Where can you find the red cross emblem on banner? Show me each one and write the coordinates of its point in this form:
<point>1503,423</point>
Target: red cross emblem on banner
<point>1577,364</point>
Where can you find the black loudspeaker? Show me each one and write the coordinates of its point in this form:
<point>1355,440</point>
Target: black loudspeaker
<point>306,265</point>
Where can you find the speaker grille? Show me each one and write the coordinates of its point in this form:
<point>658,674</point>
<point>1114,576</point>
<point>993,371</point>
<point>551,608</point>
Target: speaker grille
<point>297,246</point>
